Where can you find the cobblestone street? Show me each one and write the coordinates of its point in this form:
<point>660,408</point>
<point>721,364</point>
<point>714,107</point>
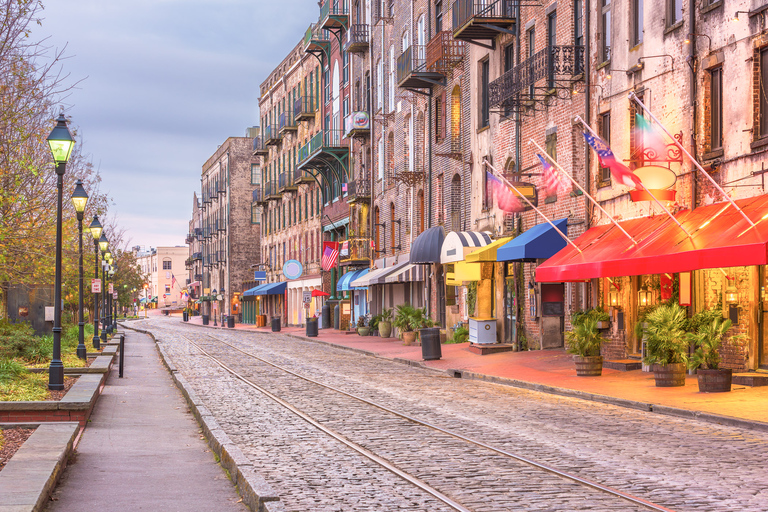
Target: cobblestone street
<point>675,463</point>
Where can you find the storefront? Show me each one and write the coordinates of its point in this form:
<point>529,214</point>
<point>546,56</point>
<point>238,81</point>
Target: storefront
<point>354,298</point>
<point>426,250</point>
<point>267,299</point>
<point>297,312</point>
<point>380,296</point>
<point>719,262</point>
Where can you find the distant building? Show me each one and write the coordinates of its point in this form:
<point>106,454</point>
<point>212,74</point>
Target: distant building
<point>162,265</point>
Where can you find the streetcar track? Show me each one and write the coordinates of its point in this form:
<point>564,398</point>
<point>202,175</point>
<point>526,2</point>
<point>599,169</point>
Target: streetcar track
<point>389,466</point>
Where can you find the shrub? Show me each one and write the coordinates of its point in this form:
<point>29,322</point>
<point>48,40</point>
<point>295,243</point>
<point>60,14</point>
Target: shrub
<point>10,370</point>
<point>460,335</point>
<point>584,340</point>
<point>665,340</point>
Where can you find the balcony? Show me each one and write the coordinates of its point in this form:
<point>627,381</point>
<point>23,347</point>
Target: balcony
<point>549,72</point>
<point>357,124</point>
<point>304,109</point>
<point>323,144</point>
<point>444,52</point>
<point>475,20</point>
<point>272,136</point>
<point>334,15</point>
<point>197,256</point>
<point>257,196</point>
<point>199,233</point>
<point>359,190</point>
<point>259,148</point>
<point>317,41</point>
<point>359,251</point>
<point>286,123</point>
<point>299,176</point>
<point>198,277</point>
<point>357,39</point>
<point>271,191</point>
<point>412,70</point>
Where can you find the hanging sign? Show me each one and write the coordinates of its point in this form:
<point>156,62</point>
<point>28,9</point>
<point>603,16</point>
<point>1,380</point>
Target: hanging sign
<point>114,295</point>
<point>292,269</point>
<point>95,285</point>
<point>111,288</point>
<point>260,275</point>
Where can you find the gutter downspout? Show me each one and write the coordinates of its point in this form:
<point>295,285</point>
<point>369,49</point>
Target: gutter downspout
<point>587,114</point>
<point>693,65</point>
<point>229,237</point>
<point>438,316</point>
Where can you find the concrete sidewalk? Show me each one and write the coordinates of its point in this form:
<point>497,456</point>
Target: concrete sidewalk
<point>553,371</point>
<point>142,449</point>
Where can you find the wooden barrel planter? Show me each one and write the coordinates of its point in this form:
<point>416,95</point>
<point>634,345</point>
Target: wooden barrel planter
<point>589,366</point>
<point>714,381</point>
<point>669,375</point>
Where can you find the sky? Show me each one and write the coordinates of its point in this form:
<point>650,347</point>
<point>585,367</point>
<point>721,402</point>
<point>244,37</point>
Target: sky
<point>162,84</point>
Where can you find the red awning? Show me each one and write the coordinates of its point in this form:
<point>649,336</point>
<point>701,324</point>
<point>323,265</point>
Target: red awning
<point>320,293</point>
<point>721,237</point>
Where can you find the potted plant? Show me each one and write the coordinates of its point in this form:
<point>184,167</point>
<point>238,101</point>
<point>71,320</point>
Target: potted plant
<point>666,346</point>
<point>706,359</point>
<point>602,318</point>
<point>373,324</point>
<point>584,342</point>
<point>362,326</point>
<point>385,323</point>
<point>405,322</point>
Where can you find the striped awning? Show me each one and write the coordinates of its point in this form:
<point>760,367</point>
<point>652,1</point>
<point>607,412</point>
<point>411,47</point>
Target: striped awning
<point>457,245</point>
<point>409,273</point>
<point>345,282</point>
<point>426,247</point>
<point>377,276</point>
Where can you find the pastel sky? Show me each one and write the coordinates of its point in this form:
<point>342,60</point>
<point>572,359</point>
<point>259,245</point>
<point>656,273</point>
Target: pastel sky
<point>164,83</point>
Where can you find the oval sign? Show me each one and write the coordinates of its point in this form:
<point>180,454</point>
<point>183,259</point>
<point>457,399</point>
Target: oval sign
<point>292,269</point>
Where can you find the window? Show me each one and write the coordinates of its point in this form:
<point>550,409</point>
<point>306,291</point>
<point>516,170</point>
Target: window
<point>255,174</point>
<point>763,93</point>
<point>531,51</point>
<point>605,133</point>
<point>716,106</point>
<point>167,265</point>
<point>674,11</point>
<point>578,23</point>
<point>551,147</point>
<point>380,162</point>
<point>392,227</point>
<point>509,63</point>
<point>379,84</point>
<point>392,78</point>
<point>167,288</point>
<point>637,22</point>
<point>438,16</point>
<point>440,117</point>
<point>487,186</point>
<point>255,214</point>
<point>345,71</point>
<point>551,43</point>
<point>605,31</point>
<point>484,106</point>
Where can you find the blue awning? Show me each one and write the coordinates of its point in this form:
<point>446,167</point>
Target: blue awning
<point>539,242</point>
<point>344,284</point>
<point>272,288</point>
<point>255,290</point>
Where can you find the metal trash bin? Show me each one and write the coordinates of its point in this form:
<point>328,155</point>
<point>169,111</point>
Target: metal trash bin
<point>205,319</point>
<point>275,324</point>
<point>430,344</point>
<point>231,321</point>
<point>185,316</point>
<point>311,327</point>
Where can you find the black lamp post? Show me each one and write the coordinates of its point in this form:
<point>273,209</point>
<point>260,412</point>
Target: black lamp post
<point>104,298</point>
<point>79,200</point>
<point>113,309</point>
<point>214,301</point>
<point>60,141</point>
<point>96,232</point>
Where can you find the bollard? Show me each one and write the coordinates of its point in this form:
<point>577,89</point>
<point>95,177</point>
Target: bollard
<point>122,355</point>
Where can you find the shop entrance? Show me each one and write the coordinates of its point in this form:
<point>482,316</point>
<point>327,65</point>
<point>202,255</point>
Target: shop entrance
<point>762,339</point>
<point>552,315</point>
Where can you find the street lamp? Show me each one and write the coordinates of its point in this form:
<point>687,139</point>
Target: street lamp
<point>79,200</point>
<point>104,298</point>
<point>61,142</point>
<point>96,231</point>
<point>113,309</point>
<point>214,300</point>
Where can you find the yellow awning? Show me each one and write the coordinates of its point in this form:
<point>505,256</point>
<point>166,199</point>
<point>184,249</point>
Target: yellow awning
<point>487,253</point>
<point>462,271</point>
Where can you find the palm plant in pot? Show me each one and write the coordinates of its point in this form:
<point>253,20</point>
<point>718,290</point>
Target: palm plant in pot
<point>373,324</point>
<point>666,345</point>
<point>362,326</point>
<point>584,342</point>
<point>385,323</point>
<point>706,359</point>
<point>405,321</point>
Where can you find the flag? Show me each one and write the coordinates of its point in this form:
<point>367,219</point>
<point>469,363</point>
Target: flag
<point>554,182</point>
<point>506,198</point>
<point>619,171</point>
<point>652,141</point>
<point>343,187</point>
<point>330,255</point>
<point>344,248</point>
<point>173,281</point>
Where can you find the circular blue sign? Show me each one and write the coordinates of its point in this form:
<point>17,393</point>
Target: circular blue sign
<point>292,269</point>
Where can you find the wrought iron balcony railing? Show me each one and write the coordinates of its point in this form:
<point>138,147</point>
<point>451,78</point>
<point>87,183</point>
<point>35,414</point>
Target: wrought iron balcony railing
<point>297,174</point>
<point>357,38</point>
<point>359,190</point>
<point>412,60</point>
<point>272,135</point>
<point>358,249</point>
<point>533,79</point>
<point>286,122</point>
<point>316,38</point>
<point>259,148</point>
<point>281,181</point>
<point>257,196</point>
<point>304,108</point>
<point>197,256</point>
<point>444,52</point>
<point>485,19</point>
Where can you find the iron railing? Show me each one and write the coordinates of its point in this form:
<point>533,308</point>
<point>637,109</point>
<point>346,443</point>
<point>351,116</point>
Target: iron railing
<point>357,38</point>
<point>359,189</point>
<point>466,10</point>
<point>412,60</point>
<point>286,121</point>
<point>444,52</point>
<point>271,135</point>
<point>315,34</point>
<point>333,8</point>
<point>256,196</point>
<point>304,107</point>
<point>281,181</point>
<point>359,249</point>
<point>297,174</point>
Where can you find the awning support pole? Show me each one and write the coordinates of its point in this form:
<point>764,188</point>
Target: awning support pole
<point>585,125</point>
<point>498,175</point>
<point>531,141</point>
<point>634,98</point>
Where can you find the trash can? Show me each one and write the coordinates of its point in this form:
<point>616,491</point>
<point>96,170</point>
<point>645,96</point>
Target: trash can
<point>231,321</point>
<point>185,316</point>
<point>311,327</point>
<point>205,319</point>
<point>430,343</point>
<point>275,324</point>
<point>261,320</point>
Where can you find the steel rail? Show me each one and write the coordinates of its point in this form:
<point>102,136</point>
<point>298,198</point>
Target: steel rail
<point>569,476</point>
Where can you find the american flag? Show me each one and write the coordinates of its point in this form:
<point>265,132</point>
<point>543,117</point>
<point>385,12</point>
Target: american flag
<point>619,171</point>
<point>343,187</point>
<point>554,182</point>
<point>330,255</point>
<point>173,281</point>
<point>506,198</point>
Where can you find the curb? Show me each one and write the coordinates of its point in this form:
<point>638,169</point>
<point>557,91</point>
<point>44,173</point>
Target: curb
<point>255,491</point>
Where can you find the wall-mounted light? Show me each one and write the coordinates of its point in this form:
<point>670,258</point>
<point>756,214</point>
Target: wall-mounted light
<point>613,298</point>
<point>736,15</point>
<point>731,293</point>
<point>644,297</point>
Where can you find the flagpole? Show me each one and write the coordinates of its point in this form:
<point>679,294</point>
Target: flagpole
<point>531,141</point>
<point>634,98</point>
<point>498,175</point>
<point>585,125</point>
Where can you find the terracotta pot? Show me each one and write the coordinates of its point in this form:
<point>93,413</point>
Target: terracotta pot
<point>603,324</point>
<point>670,375</point>
<point>363,331</point>
<point>588,366</point>
<point>714,381</point>
<point>409,337</point>
<point>385,329</point>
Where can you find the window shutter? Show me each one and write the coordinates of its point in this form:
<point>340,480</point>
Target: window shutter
<point>442,115</point>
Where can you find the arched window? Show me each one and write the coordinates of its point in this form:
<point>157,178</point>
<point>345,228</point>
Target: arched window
<point>377,232</point>
<point>420,212</point>
<point>418,143</point>
<point>392,227</point>
<point>456,203</point>
<point>407,144</point>
<point>390,157</point>
<point>456,120</point>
